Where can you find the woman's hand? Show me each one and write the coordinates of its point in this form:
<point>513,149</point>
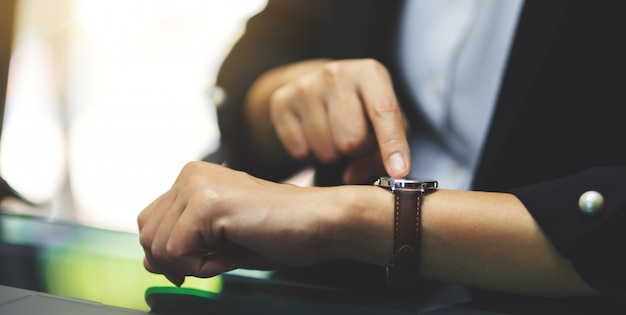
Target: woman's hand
<point>215,219</point>
<point>328,110</point>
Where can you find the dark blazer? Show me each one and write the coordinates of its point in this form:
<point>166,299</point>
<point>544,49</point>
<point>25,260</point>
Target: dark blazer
<point>559,128</point>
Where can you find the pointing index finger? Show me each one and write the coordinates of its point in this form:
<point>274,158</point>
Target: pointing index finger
<point>387,120</point>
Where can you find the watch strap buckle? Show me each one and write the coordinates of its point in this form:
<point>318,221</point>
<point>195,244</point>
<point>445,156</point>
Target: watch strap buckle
<point>403,267</point>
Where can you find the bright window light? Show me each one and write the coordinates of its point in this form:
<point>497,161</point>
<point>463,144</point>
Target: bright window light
<point>131,106</point>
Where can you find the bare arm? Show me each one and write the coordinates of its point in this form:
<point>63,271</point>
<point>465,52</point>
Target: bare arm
<point>480,239</point>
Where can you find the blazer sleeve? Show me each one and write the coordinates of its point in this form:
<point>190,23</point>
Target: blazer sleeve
<point>595,244</point>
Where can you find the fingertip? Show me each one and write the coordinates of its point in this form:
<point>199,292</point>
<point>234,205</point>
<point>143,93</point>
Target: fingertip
<point>397,165</point>
<point>147,265</point>
<point>176,280</point>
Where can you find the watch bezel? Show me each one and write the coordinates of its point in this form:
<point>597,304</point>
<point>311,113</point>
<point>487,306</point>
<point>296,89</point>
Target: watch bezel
<point>423,184</point>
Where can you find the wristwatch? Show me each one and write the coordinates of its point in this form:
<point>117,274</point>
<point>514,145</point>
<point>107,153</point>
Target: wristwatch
<point>405,261</point>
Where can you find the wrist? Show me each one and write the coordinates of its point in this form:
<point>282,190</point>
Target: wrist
<point>360,227</point>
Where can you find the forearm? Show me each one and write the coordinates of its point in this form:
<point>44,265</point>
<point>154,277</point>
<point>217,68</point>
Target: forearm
<point>485,240</point>
<point>490,240</point>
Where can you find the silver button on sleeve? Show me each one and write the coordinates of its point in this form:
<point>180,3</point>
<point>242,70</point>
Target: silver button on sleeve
<point>591,203</point>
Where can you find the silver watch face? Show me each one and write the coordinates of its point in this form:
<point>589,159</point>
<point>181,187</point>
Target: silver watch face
<point>405,183</point>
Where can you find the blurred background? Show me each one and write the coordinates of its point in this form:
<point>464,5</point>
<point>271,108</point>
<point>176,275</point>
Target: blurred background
<point>108,99</point>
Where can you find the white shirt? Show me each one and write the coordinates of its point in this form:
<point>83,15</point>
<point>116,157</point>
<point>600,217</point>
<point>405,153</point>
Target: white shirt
<point>453,54</point>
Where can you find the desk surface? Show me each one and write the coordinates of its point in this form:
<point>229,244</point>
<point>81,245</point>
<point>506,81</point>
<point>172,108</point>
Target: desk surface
<point>80,262</point>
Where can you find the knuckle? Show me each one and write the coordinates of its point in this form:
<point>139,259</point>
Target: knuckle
<point>332,70</point>
<point>164,253</point>
<point>220,226</point>
<point>301,89</point>
<point>141,220</point>
<point>145,241</point>
<point>392,142</point>
<point>354,141</point>
<point>191,167</point>
<point>172,250</point>
<point>280,99</point>
<point>299,152</point>
<point>283,97</point>
<point>385,108</point>
<point>328,159</point>
<point>373,65</point>
<point>327,156</point>
<point>156,251</point>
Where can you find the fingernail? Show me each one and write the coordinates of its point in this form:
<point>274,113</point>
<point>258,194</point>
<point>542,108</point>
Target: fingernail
<point>397,163</point>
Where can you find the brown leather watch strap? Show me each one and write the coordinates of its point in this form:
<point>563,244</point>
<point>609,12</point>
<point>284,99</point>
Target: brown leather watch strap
<point>405,261</point>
